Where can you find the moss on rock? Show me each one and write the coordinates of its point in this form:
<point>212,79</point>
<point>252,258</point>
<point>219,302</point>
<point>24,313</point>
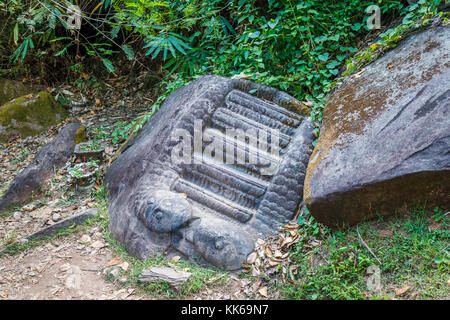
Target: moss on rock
<point>29,115</point>
<point>80,135</point>
<point>10,90</point>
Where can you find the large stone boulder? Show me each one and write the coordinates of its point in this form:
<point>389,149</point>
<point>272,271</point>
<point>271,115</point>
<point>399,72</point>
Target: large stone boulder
<point>52,156</point>
<point>203,207</point>
<point>29,115</point>
<point>10,90</point>
<point>385,138</point>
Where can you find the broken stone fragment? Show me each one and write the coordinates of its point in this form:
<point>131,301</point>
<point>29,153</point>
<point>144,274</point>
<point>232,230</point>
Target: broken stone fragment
<point>64,224</point>
<point>52,156</point>
<point>56,227</point>
<point>174,278</point>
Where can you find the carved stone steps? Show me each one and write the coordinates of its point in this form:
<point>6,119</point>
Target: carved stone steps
<point>229,175</point>
<point>249,151</point>
<point>214,185</point>
<point>263,111</point>
<point>225,119</point>
<point>212,200</point>
<point>211,209</point>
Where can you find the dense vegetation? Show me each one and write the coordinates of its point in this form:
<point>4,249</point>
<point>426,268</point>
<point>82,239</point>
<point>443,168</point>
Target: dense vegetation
<point>298,46</point>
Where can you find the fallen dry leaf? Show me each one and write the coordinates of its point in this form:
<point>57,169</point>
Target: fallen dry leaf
<point>287,241</point>
<point>273,263</point>
<point>256,285</point>
<point>252,257</point>
<point>434,225</point>
<point>263,291</point>
<point>124,266</point>
<point>399,292</point>
<point>255,272</point>
<point>176,258</point>
<point>113,262</point>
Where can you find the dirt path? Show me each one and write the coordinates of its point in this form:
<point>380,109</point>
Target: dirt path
<point>68,269</point>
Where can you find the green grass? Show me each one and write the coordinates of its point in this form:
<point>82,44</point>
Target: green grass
<point>411,254</point>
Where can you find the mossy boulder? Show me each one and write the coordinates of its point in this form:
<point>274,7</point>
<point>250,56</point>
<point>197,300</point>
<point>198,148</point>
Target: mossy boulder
<point>10,90</point>
<point>29,115</point>
<point>385,136</point>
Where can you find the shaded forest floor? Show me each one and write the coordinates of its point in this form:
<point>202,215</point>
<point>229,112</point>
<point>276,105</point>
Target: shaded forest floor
<point>410,250</point>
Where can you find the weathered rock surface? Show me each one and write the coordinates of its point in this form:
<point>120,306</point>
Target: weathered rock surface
<point>53,155</point>
<point>174,278</point>
<point>210,211</point>
<point>385,139</point>
<point>29,115</point>
<point>10,90</point>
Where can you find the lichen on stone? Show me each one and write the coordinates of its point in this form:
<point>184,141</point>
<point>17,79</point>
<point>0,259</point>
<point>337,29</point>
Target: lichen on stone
<point>80,135</point>
<point>10,90</point>
<point>29,115</point>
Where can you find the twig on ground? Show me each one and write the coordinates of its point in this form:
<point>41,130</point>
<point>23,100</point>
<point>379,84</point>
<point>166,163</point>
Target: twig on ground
<point>365,245</point>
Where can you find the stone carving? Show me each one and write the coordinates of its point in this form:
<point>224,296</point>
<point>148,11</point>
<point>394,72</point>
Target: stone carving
<point>208,210</point>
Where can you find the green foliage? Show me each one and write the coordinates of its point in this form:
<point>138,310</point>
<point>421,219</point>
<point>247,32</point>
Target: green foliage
<point>413,252</point>
<point>419,16</point>
<point>297,46</point>
<point>39,29</point>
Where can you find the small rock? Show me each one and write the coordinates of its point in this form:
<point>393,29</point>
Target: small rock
<point>56,217</point>
<point>17,215</point>
<point>85,238</point>
<point>29,207</point>
<point>123,280</point>
<point>97,244</point>
<point>114,272</point>
<point>22,241</point>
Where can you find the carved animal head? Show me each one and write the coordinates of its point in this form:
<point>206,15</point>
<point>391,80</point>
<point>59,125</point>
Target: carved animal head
<point>220,244</point>
<point>164,211</point>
